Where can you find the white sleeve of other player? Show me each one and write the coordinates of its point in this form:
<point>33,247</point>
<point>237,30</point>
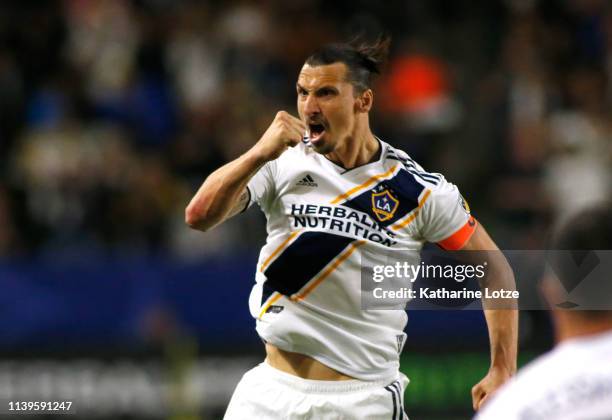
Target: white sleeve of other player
<point>261,187</point>
<point>445,217</point>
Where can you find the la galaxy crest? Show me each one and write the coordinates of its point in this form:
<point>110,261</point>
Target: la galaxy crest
<point>384,205</point>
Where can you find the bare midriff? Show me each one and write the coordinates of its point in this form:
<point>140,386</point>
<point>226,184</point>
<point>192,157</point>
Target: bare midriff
<point>301,365</point>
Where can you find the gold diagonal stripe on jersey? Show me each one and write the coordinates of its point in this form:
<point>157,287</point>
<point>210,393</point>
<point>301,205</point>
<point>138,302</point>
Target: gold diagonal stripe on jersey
<point>414,213</point>
<point>366,184</point>
<point>341,258</point>
<point>275,296</point>
<point>278,250</point>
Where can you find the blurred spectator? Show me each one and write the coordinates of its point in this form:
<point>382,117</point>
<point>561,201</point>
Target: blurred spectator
<point>579,171</point>
<point>112,113</point>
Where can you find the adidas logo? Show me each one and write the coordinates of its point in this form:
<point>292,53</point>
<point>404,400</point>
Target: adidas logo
<point>307,181</point>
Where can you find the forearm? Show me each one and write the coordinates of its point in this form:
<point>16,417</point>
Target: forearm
<point>503,337</point>
<point>220,192</point>
<point>501,314</point>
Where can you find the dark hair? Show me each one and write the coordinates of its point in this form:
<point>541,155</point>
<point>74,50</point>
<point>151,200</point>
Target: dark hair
<point>363,60</point>
<point>586,231</point>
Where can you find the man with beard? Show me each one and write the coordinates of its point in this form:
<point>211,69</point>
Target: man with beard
<point>331,191</point>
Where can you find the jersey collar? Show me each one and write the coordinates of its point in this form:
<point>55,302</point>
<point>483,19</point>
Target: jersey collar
<point>382,150</point>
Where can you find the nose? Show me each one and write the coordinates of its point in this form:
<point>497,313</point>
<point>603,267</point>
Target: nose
<point>311,106</point>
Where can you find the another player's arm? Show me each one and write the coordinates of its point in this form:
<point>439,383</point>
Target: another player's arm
<point>501,323</point>
<point>224,194</point>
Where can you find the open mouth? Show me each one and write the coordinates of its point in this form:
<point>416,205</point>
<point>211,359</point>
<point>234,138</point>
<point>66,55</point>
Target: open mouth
<point>316,132</point>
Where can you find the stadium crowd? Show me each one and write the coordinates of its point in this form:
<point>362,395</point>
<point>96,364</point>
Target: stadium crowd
<point>113,112</point>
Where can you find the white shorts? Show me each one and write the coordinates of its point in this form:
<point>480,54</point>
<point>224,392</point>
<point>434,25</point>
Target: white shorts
<point>266,393</point>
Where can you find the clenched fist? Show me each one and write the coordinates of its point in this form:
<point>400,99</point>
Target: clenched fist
<point>285,131</point>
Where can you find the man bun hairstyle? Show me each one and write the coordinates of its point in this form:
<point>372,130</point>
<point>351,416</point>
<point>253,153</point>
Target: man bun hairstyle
<point>363,59</point>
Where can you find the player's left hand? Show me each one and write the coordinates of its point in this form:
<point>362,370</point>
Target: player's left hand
<point>484,389</point>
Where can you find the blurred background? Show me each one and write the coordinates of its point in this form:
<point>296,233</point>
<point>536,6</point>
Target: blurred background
<point>113,112</point>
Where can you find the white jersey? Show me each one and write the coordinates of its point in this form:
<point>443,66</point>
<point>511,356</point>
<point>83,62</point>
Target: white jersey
<point>321,220</point>
<point>573,381</point>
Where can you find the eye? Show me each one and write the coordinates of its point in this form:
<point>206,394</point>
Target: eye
<point>325,92</point>
<point>302,92</point>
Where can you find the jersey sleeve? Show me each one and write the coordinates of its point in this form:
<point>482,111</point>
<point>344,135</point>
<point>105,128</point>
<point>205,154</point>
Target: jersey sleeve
<point>445,218</point>
<point>261,186</point>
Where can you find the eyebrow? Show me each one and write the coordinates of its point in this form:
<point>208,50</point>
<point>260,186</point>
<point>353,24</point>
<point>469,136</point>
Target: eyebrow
<point>329,87</point>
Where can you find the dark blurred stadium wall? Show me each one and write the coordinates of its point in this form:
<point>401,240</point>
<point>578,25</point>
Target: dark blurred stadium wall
<point>112,112</point>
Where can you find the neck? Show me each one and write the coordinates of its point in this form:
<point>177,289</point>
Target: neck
<point>356,150</point>
<point>577,328</point>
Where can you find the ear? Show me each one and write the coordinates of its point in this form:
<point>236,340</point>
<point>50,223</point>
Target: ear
<point>363,102</point>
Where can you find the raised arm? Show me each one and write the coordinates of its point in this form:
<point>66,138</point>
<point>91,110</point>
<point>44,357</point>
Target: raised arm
<point>223,194</point>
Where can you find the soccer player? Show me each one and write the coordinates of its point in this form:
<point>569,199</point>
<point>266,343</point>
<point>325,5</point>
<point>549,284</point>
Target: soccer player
<point>574,380</point>
<point>331,191</point>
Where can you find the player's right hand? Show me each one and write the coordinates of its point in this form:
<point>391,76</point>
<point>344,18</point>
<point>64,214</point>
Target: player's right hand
<point>285,131</point>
